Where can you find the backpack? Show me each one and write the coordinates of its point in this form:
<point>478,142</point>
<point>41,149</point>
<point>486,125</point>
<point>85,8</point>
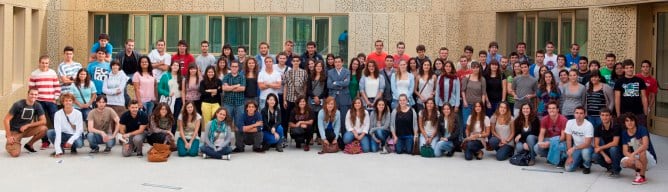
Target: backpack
<point>522,159</point>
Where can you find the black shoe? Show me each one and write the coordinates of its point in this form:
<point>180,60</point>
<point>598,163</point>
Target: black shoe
<point>450,154</point>
<point>265,147</point>
<point>299,145</point>
<point>586,170</point>
<point>106,150</point>
<point>279,149</point>
<point>238,150</point>
<point>96,150</point>
<point>561,164</point>
<point>140,154</point>
<point>29,148</point>
<point>258,150</point>
<point>74,150</point>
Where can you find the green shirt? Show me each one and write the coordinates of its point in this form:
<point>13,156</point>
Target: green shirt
<point>606,73</point>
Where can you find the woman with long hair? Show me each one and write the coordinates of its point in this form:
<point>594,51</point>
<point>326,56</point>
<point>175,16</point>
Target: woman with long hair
<point>474,90</point>
<point>355,75</point>
<point>402,82</point>
<point>218,136</point>
<point>404,125</point>
<point>227,54</point>
<point>188,122</point>
<point>272,131</point>
<point>438,66</point>
<point>145,85</point>
<point>210,88</point>
<point>572,95</point>
<point>160,126</point>
<point>426,85</point>
<point>300,123</point>
<point>428,124</point>
<point>329,123</point>
<point>503,134</point>
<point>84,92</point>
<point>527,128</point>
<point>170,86</point>
<point>617,74</point>
<point>372,85</point>
<point>547,92</point>
<point>190,87</point>
<point>357,125</point>
<point>317,87</point>
<point>477,130</point>
<point>496,86</point>
<point>447,87</point>
<point>598,96</point>
<point>379,126</point>
<point>450,131</point>
<point>412,66</point>
<point>329,62</point>
<point>222,68</point>
<point>251,72</point>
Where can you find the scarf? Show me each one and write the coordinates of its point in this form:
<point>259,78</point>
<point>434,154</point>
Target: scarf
<point>216,126</point>
<point>441,86</point>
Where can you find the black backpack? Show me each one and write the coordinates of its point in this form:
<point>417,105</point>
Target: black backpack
<point>522,159</point>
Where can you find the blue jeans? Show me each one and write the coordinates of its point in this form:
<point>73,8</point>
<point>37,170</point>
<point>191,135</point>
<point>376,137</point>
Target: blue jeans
<point>404,144</point>
<point>580,156</point>
<point>50,109</point>
<point>148,107</point>
<point>236,112</point>
<point>490,111</point>
<point>543,152</point>
<point>595,120</point>
<point>472,147</point>
<point>530,141</point>
<point>51,135</point>
<point>348,137</point>
<point>502,152</point>
<point>615,154</point>
<point>444,147</point>
<point>269,139</point>
<point>433,143</point>
<point>211,152</point>
<point>381,135</point>
<point>84,113</point>
<point>466,111</point>
<point>343,110</point>
<point>95,139</point>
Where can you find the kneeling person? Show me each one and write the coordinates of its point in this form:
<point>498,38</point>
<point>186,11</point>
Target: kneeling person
<point>67,127</point>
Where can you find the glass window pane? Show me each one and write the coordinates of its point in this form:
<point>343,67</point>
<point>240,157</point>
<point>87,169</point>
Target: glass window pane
<point>299,31</point>
<point>531,34</point>
<point>172,33</point>
<point>99,26</point>
<point>581,30</point>
<point>237,31</point>
<point>118,30</point>
<point>340,36</point>
<point>258,33</point>
<point>193,32</point>
<point>157,29</point>
<point>662,69</point>
<point>519,32</point>
<point>566,32</point>
<point>276,35</point>
<point>548,28</point>
<point>322,35</point>
<point>215,34</point>
<point>141,36</point>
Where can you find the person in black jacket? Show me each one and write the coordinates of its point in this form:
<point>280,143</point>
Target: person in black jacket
<point>449,127</point>
<point>317,91</point>
<point>272,130</point>
<point>527,128</point>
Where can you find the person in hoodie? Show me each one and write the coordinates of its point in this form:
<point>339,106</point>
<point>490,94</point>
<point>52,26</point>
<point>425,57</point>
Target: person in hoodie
<point>114,88</point>
<point>311,53</point>
<point>217,136</point>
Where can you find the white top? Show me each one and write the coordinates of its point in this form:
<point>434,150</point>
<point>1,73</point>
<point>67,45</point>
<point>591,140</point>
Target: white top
<point>550,61</point>
<point>155,57</point>
<point>579,132</point>
<point>267,78</point>
<point>205,61</point>
<point>371,87</point>
<point>360,127</point>
<point>61,125</point>
<point>402,87</point>
<point>429,127</point>
<point>476,125</point>
<point>113,84</point>
<point>428,90</point>
<point>282,71</point>
<point>174,87</point>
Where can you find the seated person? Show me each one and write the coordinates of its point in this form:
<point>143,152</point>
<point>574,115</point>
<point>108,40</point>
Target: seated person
<point>217,136</point>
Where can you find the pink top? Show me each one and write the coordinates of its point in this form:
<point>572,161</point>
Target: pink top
<point>146,86</point>
<point>192,90</point>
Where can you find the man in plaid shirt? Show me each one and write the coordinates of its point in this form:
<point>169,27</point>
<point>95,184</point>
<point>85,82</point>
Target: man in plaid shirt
<point>234,85</point>
<point>295,87</point>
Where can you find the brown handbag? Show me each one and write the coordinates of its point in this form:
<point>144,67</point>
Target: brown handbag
<point>330,148</point>
<point>159,152</point>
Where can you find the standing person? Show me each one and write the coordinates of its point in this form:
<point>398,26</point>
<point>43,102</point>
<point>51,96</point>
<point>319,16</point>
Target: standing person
<point>160,59</point>
<point>227,54</point>
<point>145,85</point>
<point>550,57</point>
<point>484,64</point>
<point>311,53</point>
<point>129,59</point>
<point>269,81</point>
<point>502,130</point>
<point>476,133</point>
<point>170,86</point>
<point>188,122</point>
<point>357,126</point>
<point>272,129</point>
<point>552,138</point>
<point>295,87</point>
<point>160,125</point>
<point>45,80</point>
<point>338,80</point>
<point>209,89</point>
<point>599,96</point>
<point>573,58</point>
<point>249,131</point>
<point>548,91</point>
<point>362,59</point>
<point>355,69</point>
<point>443,53</point>
<point>617,74</point>
<point>301,119</point>
<point>282,68</point>
<point>607,150</point>
<point>288,47</point>
<point>447,88</point>
<point>190,87</point>
<point>103,126</point>
<point>426,85</point>
<point>329,123</point>
<point>250,72</point>
<point>517,71</point>
<point>563,78</point>
<point>631,94</point>
<point>534,69</point>
<point>218,136</point>
<point>579,135</point>
<point>114,88</point>
<point>438,67</point>
<point>387,74</point>
<point>372,85</point>
<point>317,88</point>
<point>474,90</point>
<point>650,82</point>
<point>241,54</point>
<point>521,52</point>
<point>262,56</point>
<point>524,88</point>
<point>609,68</point>
<point>379,126</point>
<point>404,125</point>
<point>496,86</point>
<point>413,66</point>
<point>20,123</point>
<point>234,85</point>
<point>572,95</point>
<point>205,59</point>
<point>222,68</point>
<point>583,70</point>
<point>637,148</point>
<point>421,56</point>
<point>560,65</point>
<point>464,69</point>
<point>132,126</point>
<point>102,42</point>
<point>84,92</point>
<point>468,53</point>
<point>506,66</point>
<point>450,132</point>
<point>67,70</point>
<point>402,82</point>
<point>493,49</point>
<point>329,62</point>
<point>378,55</point>
<point>527,129</point>
<point>399,55</point>
<point>183,56</point>
<point>428,122</point>
<point>67,127</point>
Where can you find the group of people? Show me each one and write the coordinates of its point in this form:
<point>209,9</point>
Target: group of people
<point>563,107</point>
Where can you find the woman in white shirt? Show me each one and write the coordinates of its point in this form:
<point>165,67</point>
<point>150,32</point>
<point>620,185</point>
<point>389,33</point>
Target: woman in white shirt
<point>402,82</point>
<point>428,124</point>
<point>357,125</point>
<point>371,85</point>
<point>477,130</point>
<point>426,84</point>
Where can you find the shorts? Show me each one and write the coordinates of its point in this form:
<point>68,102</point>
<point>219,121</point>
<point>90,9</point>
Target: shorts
<point>651,161</point>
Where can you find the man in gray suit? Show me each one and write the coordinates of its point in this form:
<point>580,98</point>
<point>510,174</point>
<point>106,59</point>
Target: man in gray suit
<point>337,82</point>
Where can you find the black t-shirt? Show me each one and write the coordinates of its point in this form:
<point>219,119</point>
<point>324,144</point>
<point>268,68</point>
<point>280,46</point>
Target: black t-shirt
<point>494,87</point>
<point>251,87</point>
<point>130,63</point>
<point>607,135</point>
<point>23,114</point>
<point>630,100</point>
<point>132,124</point>
<point>583,78</point>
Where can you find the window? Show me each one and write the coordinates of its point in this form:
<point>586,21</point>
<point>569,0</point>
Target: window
<point>563,27</point>
<point>173,31</point>
<point>339,37</point>
<point>141,33</point>
<point>237,31</point>
<point>322,34</point>
<point>157,29</point>
<point>258,33</point>
<point>276,35</point>
<point>118,30</point>
<point>194,31</point>
<point>99,26</point>
<point>581,26</point>
<point>215,34</point>
<point>299,31</point>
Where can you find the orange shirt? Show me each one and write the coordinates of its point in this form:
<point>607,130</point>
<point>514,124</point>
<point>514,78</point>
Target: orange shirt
<point>379,58</point>
<point>398,58</point>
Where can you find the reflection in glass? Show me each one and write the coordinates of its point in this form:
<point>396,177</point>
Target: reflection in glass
<point>581,26</point>
<point>99,26</point>
<point>258,33</point>
<point>299,31</point>
<point>118,30</point>
<point>660,64</point>
<point>157,29</point>
<point>322,35</point>
<point>548,28</point>
<point>215,34</point>
<point>237,31</point>
<point>141,35</point>
<point>276,34</point>
<point>566,32</point>
<point>172,33</point>
<point>193,32</point>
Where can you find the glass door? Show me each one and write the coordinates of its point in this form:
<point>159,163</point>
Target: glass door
<point>660,114</point>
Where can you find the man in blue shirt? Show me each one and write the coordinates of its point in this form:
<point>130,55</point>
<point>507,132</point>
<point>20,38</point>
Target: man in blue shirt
<point>573,58</point>
<point>99,70</point>
<point>102,42</point>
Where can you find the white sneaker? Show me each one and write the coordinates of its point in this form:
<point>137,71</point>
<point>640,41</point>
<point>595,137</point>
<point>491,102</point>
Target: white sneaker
<point>204,156</point>
<point>120,138</point>
<point>384,151</point>
<point>227,157</point>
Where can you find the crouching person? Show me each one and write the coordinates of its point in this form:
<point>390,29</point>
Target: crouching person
<point>250,129</point>
<point>217,136</point>
<point>103,125</point>
<point>19,124</point>
<point>637,147</point>
<point>132,126</point>
<point>67,127</point>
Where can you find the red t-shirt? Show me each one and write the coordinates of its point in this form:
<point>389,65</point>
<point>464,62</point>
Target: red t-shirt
<point>187,60</point>
<point>398,58</point>
<point>652,84</point>
<point>553,128</point>
<point>379,58</point>
<point>464,73</point>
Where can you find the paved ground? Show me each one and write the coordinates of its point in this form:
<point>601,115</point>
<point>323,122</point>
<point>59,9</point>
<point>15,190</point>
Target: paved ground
<point>295,170</point>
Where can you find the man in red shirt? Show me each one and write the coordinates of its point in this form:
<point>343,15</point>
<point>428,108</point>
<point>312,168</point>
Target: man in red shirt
<point>464,71</point>
<point>652,84</point>
<point>378,55</point>
<point>400,55</point>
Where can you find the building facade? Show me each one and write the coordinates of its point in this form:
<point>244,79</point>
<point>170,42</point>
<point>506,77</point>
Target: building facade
<point>634,29</point>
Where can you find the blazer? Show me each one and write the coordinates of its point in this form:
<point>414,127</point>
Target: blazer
<point>338,86</point>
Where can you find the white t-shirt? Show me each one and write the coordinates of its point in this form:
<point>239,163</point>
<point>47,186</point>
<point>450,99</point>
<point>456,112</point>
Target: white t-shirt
<point>579,132</point>
<point>550,62</point>
<point>155,57</point>
<point>267,78</point>
<point>205,61</point>
<point>476,126</point>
